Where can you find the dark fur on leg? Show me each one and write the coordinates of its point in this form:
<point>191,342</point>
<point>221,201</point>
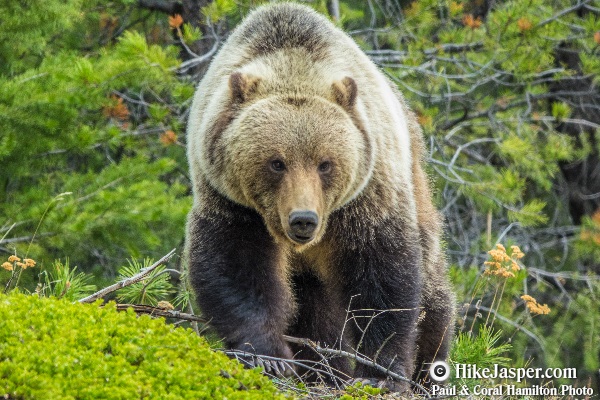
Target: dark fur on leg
<point>436,330</point>
<point>382,271</point>
<point>320,318</point>
<point>240,285</point>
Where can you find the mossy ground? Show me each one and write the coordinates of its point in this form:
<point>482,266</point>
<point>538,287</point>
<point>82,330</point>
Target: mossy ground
<point>54,349</point>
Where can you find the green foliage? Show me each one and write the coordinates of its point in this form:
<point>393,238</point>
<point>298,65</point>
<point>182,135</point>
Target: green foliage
<point>62,281</point>
<point>580,346</point>
<point>560,111</point>
<point>54,349</point>
<point>218,9</point>
<point>464,280</point>
<point>191,33</point>
<point>481,349</point>
<point>150,290</point>
<point>360,392</point>
<point>85,117</point>
<point>588,244</point>
<point>496,88</point>
<point>22,48</point>
<point>530,214</point>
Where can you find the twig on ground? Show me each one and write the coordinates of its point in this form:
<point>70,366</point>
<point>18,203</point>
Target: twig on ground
<point>358,358</point>
<point>129,281</point>
<point>161,312</point>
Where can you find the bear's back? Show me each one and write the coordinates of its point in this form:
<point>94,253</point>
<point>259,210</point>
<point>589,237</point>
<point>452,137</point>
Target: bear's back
<point>284,26</point>
<point>274,28</point>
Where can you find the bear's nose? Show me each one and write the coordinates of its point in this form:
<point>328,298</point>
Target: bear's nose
<point>303,224</point>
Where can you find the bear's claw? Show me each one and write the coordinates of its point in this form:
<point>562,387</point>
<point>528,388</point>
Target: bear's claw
<point>279,368</point>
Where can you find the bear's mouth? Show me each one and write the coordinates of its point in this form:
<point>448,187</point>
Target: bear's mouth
<point>300,239</point>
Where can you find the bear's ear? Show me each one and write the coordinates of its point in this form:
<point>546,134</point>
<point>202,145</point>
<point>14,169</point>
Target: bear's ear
<point>242,86</point>
<point>345,92</point>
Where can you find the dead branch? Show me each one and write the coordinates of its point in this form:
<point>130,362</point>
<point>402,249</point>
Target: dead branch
<point>186,65</point>
<point>25,238</point>
<point>266,361</point>
<point>129,281</point>
<point>161,312</point>
<point>358,358</point>
<point>333,6</point>
<point>562,275</point>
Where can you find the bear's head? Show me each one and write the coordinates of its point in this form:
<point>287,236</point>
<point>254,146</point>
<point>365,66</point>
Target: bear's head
<point>294,158</point>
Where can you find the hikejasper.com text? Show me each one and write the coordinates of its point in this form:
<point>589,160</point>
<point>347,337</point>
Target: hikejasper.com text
<point>471,371</point>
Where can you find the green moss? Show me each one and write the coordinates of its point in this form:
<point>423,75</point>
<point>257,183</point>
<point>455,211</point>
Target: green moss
<point>53,349</point>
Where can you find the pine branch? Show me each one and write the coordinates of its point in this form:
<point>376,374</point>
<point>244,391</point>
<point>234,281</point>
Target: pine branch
<point>129,281</point>
<point>576,7</point>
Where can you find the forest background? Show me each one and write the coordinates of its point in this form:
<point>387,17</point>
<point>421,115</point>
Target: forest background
<point>94,98</point>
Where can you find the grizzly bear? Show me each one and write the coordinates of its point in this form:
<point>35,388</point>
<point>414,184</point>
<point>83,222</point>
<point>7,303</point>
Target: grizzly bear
<point>312,213</point>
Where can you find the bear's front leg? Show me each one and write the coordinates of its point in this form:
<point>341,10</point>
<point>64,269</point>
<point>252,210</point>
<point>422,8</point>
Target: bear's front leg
<point>238,275</point>
<point>380,270</point>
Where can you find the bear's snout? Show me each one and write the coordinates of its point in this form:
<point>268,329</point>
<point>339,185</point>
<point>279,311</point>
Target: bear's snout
<point>303,225</point>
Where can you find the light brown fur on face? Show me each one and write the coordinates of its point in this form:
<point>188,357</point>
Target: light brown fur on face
<point>302,189</point>
<point>302,133</point>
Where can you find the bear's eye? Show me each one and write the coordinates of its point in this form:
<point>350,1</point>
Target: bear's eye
<point>277,165</point>
<point>325,167</point>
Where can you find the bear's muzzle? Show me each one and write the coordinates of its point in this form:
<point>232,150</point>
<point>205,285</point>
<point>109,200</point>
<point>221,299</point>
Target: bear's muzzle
<point>302,226</point>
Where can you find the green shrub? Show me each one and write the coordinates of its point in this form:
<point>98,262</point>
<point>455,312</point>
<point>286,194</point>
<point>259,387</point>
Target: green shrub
<point>54,349</point>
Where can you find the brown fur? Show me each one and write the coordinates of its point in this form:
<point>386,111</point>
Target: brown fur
<point>290,90</point>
